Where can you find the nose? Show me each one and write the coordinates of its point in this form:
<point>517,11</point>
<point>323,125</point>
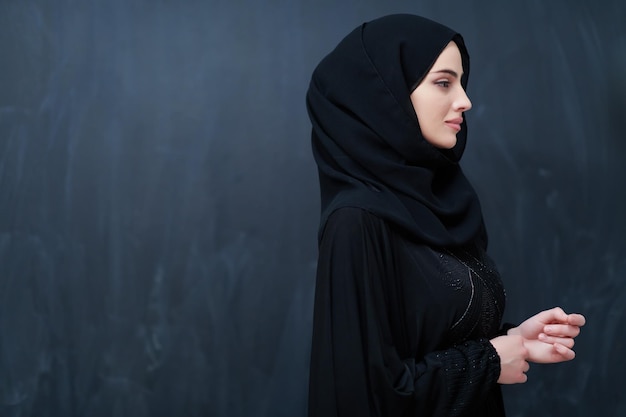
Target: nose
<point>462,102</point>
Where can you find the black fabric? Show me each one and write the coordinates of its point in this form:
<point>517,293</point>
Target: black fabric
<point>401,329</point>
<point>366,138</point>
<point>406,298</point>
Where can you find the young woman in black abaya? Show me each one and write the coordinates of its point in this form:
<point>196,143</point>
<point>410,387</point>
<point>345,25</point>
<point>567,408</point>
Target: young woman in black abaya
<point>408,305</point>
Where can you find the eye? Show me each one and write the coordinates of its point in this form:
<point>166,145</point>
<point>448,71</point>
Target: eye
<point>443,83</point>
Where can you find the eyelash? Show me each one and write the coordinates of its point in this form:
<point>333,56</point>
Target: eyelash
<point>443,83</point>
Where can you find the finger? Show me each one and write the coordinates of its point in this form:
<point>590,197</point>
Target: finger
<point>576,319</point>
<point>559,314</point>
<point>561,330</point>
<point>565,341</point>
<point>565,352</point>
<point>554,315</point>
<point>525,367</point>
<point>523,378</point>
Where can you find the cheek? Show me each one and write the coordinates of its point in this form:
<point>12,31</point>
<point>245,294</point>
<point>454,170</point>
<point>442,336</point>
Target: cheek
<point>431,110</point>
<point>431,115</point>
<point>441,107</point>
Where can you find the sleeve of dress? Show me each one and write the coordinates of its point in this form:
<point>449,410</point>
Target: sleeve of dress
<point>505,328</point>
<point>355,368</point>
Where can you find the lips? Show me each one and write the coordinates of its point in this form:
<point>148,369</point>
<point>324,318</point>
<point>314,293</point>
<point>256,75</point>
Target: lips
<point>454,123</point>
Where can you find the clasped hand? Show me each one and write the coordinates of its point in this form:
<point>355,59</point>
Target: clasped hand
<point>546,337</point>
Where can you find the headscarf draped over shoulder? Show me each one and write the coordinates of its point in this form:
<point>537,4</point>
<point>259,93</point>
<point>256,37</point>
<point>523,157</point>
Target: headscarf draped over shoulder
<point>367,141</point>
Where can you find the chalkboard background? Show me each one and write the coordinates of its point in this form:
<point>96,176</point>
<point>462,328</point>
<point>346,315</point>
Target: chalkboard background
<point>159,203</point>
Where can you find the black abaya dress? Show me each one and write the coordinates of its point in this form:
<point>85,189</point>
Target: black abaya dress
<point>401,328</point>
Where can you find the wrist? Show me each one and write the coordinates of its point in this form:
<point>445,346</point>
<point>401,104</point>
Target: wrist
<point>514,331</point>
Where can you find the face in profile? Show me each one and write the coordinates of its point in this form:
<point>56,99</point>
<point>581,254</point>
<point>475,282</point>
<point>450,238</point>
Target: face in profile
<point>440,100</point>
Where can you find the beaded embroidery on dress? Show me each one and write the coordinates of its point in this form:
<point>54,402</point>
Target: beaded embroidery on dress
<point>470,270</point>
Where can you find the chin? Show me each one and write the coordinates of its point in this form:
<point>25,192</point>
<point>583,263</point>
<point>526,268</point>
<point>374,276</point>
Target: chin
<point>447,144</point>
<point>442,142</point>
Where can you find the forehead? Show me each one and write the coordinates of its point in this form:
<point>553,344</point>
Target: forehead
<point>450,57</point>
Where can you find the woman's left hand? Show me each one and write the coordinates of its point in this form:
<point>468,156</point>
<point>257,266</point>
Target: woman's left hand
<point>549,335</point>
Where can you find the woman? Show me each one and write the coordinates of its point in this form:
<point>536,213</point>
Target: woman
<point>408,305</point>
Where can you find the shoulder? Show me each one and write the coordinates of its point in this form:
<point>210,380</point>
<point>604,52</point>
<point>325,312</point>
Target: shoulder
<point>354,230</point>
<point>355,242</point>
<point>351,220</point>
<point>353,214</point>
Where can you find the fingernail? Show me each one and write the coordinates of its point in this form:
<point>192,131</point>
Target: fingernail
<point>548,329</point>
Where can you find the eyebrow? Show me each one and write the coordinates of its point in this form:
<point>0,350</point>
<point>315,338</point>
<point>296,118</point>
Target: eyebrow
<point>446,71</point>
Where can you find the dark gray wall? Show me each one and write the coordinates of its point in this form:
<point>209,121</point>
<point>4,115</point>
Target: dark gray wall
<point>158,200</point>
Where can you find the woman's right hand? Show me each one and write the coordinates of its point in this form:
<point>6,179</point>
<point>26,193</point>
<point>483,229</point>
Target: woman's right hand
<point>513,359</point>
<point>549,335</point>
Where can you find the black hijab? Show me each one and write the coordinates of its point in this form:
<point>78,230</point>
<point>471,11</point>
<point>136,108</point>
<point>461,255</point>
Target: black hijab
<point>366,138</point>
